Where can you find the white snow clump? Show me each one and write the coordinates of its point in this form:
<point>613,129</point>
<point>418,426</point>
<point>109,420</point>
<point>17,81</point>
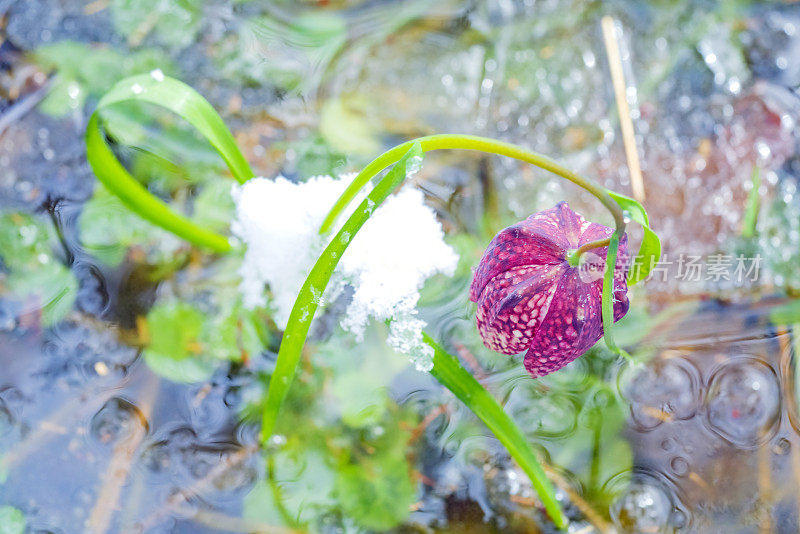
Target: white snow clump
<point>387,262</point>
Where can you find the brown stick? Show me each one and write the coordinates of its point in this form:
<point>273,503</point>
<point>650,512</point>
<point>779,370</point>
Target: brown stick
<point>591,515</point>
<point>179,499</point>
<point>120,464</point>
<point>620,94</point>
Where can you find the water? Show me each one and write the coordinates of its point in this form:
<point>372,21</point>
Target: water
<point>699,435</point>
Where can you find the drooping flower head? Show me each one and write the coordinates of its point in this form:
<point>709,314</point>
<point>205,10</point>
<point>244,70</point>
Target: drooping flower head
<point>530,297</point>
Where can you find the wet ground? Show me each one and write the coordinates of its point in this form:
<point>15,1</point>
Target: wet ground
<point>700,435</point>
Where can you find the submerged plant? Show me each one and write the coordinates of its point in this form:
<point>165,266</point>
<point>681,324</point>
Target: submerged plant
<point>592,305</point>
<point>537,293</point>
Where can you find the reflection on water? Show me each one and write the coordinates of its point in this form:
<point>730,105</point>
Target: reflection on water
<point>732,459</point>
<point>645,504</point>
<point>744,402</point>
<point>699,434</point>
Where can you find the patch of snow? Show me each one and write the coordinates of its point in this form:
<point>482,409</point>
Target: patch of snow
<point>405,336</point>
<point>387,261</point>
<point>279,220</point>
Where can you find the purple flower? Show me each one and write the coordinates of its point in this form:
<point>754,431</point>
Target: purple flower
<point>530,298</point>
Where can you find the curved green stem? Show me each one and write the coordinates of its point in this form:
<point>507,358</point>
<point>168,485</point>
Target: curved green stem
<point>451,374</point>
<point>471,142</point>
<point>138,199</point>
<point>492,146</point>
<point>607,301</point>
<point>574,257</point>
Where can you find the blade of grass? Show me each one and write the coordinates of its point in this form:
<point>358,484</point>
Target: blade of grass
<point>307,302</point>
<point>452,375</point>
<point>184,101</point>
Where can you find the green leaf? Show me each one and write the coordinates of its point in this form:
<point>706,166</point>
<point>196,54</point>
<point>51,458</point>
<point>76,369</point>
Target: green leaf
<point>650,249</point>
<point>175,23</point>
<point>188,104</point>
<point>33,273</point>
<point>451,374</point>
<point>785,314</point>
<point>84,70</point>
<point>193,332</point>
<point>12,521</point>
<point>175,350</point>
<point>163,151</point>
<point>377,491</point>
<point>306,305</point>
<point>64,95</point>
<point>174,329</point>
<point>186,344</point>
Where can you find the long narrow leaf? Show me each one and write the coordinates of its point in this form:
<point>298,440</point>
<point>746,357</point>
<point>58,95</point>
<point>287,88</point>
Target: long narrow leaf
<point>294,337</point>
<point>184,101</point>
<point>452,375</point>
<point>181,99</point>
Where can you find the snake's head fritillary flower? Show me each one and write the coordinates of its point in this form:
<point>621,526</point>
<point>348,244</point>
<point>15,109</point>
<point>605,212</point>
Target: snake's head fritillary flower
<point>530,297</point>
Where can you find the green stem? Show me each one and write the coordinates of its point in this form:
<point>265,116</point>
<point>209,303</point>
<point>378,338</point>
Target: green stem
<point>492,146</point>
<point>750,219</point>
<point>574,257</point>
<point>452,375</point>
<point>608,295</point>
<point>470,142</point>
